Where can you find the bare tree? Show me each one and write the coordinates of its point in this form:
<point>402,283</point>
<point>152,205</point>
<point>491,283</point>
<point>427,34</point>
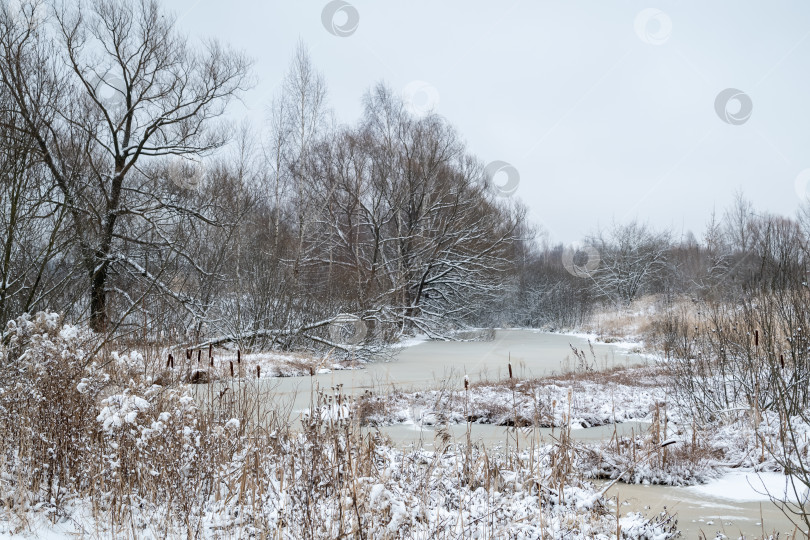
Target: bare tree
<point>412,231</point>
<point>737,223</point>
<point>633,257</point>
<point>304,119</point>
<point>33,238</point>
<point>106,90</point>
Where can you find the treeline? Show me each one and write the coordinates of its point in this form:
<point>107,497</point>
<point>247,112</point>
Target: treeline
<point>129,202</point>
<point>741,252</point>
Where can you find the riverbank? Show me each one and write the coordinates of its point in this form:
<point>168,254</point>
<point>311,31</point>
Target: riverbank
<point>514,452</point>
<point>118,455</point>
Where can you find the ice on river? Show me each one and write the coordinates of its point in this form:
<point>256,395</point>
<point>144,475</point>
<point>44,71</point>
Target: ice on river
<point>749,486</point>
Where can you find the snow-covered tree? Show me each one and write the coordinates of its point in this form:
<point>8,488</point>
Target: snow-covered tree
<point>106,89</point>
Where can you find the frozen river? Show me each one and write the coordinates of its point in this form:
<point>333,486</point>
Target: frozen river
<point>432,363</point>
<point>734,505</point>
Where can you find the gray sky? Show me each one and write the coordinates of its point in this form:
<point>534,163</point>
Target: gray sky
<point>605,109</point>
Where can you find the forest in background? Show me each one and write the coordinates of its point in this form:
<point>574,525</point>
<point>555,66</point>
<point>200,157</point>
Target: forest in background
<point>131,203</point>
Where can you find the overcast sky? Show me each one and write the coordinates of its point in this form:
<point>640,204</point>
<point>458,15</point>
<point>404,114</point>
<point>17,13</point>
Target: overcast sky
<point>606,109</point>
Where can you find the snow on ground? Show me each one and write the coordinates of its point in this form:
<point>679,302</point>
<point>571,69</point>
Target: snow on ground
<point>415,495</point>
<point>589,399</point>
<point>146,461</point>
<point>452,491</point>
<point>750,486</point>
<point>410,341</point>
<point>625,342</point>
<point>546,402</point>
<point>270,364</point>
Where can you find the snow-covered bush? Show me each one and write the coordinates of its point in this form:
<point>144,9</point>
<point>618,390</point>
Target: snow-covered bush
<point>48,391</point>
<point>75,426</point>
<point>176,460</point>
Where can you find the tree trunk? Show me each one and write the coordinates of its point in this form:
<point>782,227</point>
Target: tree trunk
<point>98,294</point>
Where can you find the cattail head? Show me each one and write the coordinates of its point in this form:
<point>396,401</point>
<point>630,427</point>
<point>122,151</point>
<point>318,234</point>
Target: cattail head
<point>756,338</point>
<point>510,370</point>
<point>238,356</point>
<point>258,372</point>
<point>466,383</point>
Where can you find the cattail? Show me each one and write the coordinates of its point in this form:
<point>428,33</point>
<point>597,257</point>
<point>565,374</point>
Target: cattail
<point>466,383</point>
<point>188,354</point>
<point>170,361</point>
<point>756,338</point>
<point>199,356</point>
<point>211,359</point>
<point>258,372</point>
<point>238,356</point>
<point>231,369</point>
<point>311,371</point>
<point>510,370</point>
<point>782,360</point>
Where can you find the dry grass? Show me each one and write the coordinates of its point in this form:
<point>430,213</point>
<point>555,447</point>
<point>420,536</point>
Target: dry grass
<point>653,376</point>
<point>150,460</point>
<point>518,402</point>
<point>644,457</point>
<point>638,321</point>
